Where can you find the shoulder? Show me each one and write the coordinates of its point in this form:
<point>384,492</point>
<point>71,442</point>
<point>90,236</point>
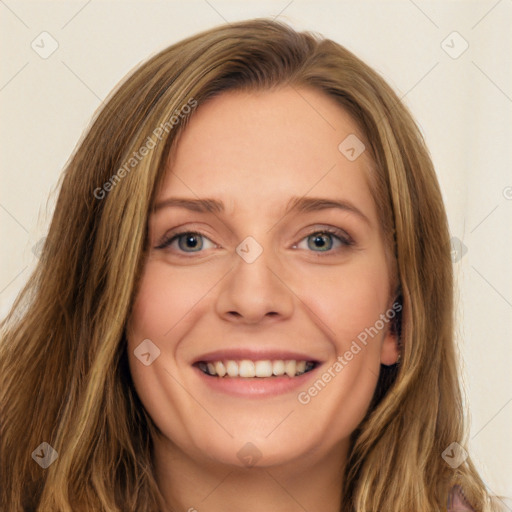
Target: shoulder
<point>457,501</point>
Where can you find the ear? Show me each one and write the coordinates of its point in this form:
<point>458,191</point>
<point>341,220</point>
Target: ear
<point>390,351</point>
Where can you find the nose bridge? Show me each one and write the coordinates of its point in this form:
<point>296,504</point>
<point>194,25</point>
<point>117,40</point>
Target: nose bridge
<point>253,289</point>
<point>253,269</point>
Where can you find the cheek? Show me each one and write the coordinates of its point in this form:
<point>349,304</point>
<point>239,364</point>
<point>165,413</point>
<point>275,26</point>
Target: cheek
<point>160,312</point>
<point>165,308</point>
<point>348,299</point>
<point>165,297</point>
<point>169,303</point>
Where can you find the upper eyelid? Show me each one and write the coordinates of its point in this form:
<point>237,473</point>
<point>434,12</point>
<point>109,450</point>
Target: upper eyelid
<point>190,228</point>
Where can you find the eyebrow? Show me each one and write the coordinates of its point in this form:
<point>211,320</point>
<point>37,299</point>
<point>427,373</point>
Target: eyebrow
<point>295,204</point>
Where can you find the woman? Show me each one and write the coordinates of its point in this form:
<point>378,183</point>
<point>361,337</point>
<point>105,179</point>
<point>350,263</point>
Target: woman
<point>244,300</point>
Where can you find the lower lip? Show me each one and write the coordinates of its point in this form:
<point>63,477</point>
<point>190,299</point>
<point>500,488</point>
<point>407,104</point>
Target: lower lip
<point>256,386</point>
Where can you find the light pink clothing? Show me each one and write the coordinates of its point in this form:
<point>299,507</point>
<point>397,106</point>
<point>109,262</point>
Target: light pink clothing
<point>457,502</point>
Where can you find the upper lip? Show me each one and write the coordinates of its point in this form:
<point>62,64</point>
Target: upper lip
<point>238,354</point>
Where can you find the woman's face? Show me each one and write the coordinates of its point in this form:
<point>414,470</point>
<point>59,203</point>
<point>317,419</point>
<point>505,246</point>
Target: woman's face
<point>254,286</point>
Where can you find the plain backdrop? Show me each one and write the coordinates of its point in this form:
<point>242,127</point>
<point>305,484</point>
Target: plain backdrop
<point>449,61</point>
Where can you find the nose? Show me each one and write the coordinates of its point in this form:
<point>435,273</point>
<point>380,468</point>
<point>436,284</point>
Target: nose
<point>256,291</point>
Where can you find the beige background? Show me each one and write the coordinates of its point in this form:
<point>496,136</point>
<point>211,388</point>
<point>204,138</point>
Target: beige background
<point>463,104</point>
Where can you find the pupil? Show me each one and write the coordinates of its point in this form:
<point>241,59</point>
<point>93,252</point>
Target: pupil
<point>191,241</point>
<point>320,242</point>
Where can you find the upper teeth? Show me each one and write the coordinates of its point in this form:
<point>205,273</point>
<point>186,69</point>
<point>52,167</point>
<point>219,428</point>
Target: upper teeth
<point>248,368</point>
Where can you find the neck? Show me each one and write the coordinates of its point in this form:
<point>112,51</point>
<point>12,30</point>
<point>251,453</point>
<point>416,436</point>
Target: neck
<point>307,483</point>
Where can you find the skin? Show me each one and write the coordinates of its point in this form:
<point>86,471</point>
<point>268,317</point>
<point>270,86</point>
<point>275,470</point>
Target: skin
<point>254,151</point>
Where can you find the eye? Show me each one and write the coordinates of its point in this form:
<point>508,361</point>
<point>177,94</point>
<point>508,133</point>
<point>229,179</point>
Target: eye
<point>188,241</point>
<point>324,240</point>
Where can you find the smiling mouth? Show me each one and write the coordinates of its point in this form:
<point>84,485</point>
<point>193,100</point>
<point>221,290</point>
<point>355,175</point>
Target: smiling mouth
<point>248,369</point>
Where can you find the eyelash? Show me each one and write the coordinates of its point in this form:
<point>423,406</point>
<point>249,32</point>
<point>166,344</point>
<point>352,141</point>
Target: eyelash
<point>345,240</point>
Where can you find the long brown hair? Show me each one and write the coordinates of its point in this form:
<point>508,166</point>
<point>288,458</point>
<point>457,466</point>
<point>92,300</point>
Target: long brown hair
<point>64,376</point>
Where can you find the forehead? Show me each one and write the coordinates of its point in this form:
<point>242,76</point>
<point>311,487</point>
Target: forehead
<point>245,147</point>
